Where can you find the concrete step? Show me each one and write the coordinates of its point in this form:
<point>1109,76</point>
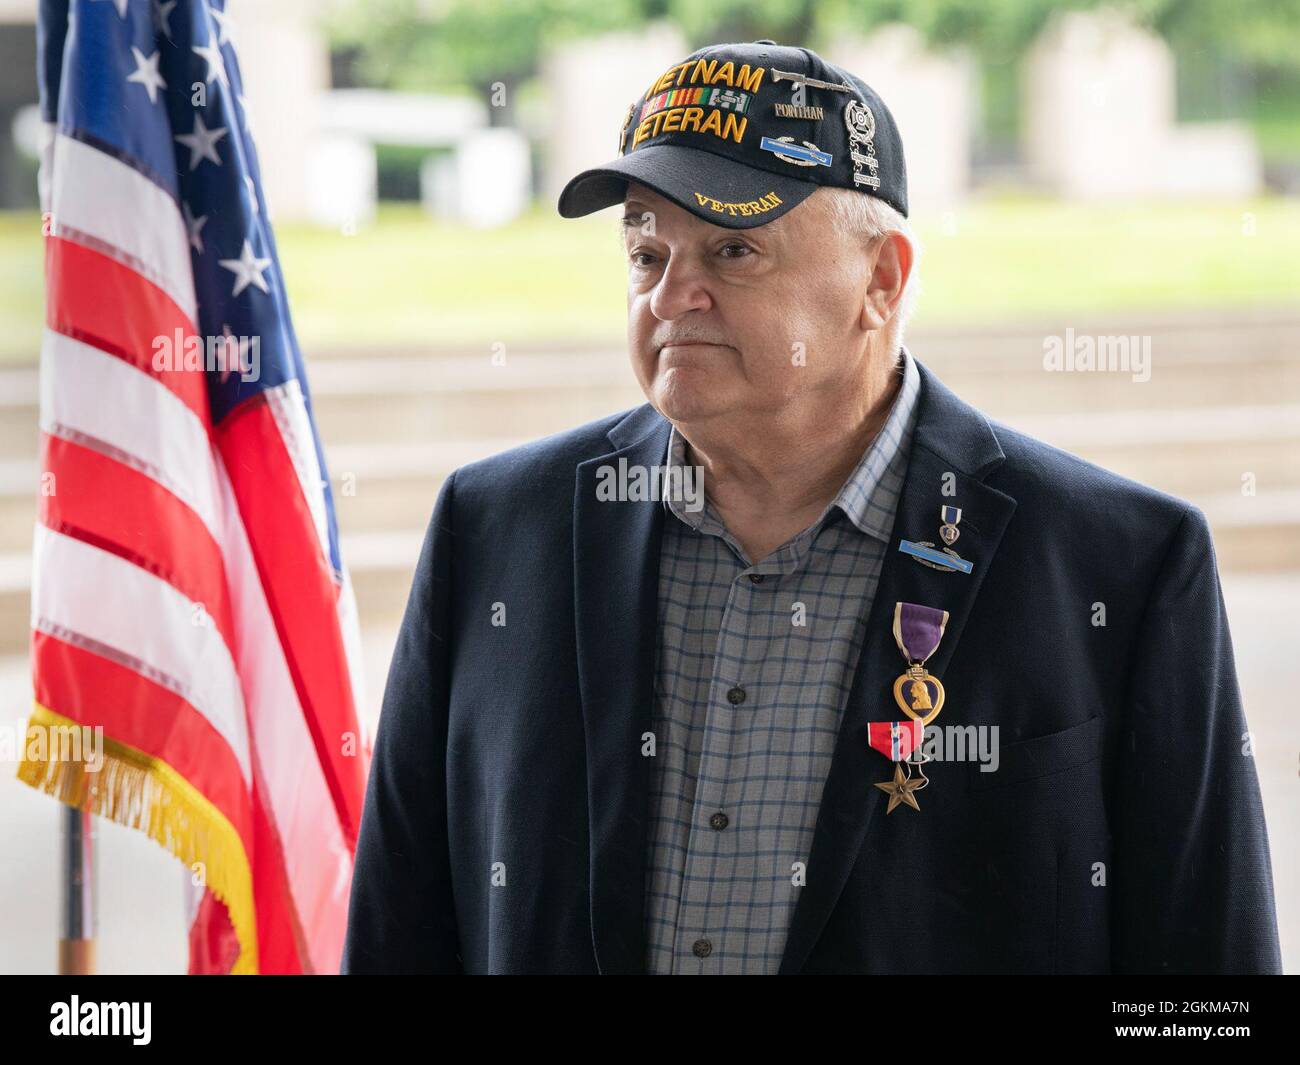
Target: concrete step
<point>416,400</point>
<point>426,398</point>
<point>18,485</point>
<point>1182,335</point>
<point>1194,452</point>
<point>1203,453</point>
<point>431,416</point>
<point>1252,534</point>
<point>376,487</point>
<point>1175,340</point>
<point>1030,390</point>
<point>406,400</point>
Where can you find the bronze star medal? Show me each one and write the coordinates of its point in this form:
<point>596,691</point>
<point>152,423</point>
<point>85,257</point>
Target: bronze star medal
<point>900,789</point>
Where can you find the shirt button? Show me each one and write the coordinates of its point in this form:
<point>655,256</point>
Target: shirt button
<point>702,948</point>
<point>736,696</point>
<point>756,578</point>
<point>719,821</point>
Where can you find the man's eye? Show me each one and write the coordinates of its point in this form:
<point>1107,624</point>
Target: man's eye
<point>641,258</point>
<point>734,250</point>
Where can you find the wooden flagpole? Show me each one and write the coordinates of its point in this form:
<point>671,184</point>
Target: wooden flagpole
<point>77,945</point>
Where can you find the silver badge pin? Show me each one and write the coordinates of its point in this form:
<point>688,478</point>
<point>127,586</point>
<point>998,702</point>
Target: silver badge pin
<point>950,516</point>
<point>803,79</point>
<point>861,124</point>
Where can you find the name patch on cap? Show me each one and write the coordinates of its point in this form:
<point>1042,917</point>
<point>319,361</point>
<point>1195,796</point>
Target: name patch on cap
<point>809,111</point>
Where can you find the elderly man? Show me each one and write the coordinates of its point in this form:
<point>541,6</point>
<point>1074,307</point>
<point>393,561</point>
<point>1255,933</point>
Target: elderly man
<point>666,696</point>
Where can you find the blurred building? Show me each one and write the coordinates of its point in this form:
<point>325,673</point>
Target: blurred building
<point>318,147</point>
<point>581,125</point>
<point>1100,119</point>
<point>931,95</point>
<point>1096,112</point>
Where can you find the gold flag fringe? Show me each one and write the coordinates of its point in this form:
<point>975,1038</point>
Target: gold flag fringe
<point>139,791</point>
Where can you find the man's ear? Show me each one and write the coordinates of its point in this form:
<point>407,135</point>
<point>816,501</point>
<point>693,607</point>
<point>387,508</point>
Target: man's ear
<point>889,273</point>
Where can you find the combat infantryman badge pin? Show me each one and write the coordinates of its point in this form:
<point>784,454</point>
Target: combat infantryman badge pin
<point>946,559</point>
<point>805,154</point>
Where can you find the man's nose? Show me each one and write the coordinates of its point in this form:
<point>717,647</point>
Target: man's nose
<point>681,288</point>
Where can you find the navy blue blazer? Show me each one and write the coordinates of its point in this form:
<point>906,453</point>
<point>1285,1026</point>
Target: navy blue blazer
<point>504,828</point>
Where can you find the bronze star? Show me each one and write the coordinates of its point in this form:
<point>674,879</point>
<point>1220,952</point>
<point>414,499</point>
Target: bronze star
<point>900,789</point>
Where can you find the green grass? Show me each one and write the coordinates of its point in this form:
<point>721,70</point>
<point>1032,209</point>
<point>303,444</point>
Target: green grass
<point>1276,120</point>
<point>409,281</point>
<point>22,286</point>
<point>1007,259</point>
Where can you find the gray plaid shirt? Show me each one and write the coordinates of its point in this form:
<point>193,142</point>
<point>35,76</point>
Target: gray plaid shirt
<point>754,666</point>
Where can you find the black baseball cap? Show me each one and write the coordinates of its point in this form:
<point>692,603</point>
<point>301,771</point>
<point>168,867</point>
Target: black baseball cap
<point>738,134</point>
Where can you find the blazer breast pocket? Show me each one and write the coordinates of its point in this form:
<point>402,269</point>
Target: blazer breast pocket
<point>1041,756</point>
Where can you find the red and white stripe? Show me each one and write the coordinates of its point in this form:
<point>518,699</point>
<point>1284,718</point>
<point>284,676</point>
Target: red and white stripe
<point>187,567</point>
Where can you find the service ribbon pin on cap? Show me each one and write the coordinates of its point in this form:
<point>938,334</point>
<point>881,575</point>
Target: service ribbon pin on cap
<point>738,134</point>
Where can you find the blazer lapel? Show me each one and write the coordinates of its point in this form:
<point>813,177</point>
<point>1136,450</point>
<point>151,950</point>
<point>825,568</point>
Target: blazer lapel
<point>616,590</point>
<point>952,443</point>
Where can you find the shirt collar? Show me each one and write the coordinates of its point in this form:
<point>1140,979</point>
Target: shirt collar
<point>885,458</point>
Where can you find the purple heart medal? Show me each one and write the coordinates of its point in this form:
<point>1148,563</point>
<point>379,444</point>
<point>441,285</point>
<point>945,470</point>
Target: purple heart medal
<point>917,631</point>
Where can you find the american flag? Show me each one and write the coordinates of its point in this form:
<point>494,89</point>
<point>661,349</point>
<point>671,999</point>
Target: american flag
<point>189,595</point>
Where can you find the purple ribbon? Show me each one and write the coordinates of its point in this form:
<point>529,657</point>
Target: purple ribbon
<point>918,630</point>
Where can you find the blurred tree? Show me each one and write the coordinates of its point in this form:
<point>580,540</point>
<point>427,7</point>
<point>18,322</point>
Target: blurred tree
<point>1256,32</point>
<point>436,44</point>
<point>1259,33</point>
<point>425,45</point>
<point>440,44</point>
